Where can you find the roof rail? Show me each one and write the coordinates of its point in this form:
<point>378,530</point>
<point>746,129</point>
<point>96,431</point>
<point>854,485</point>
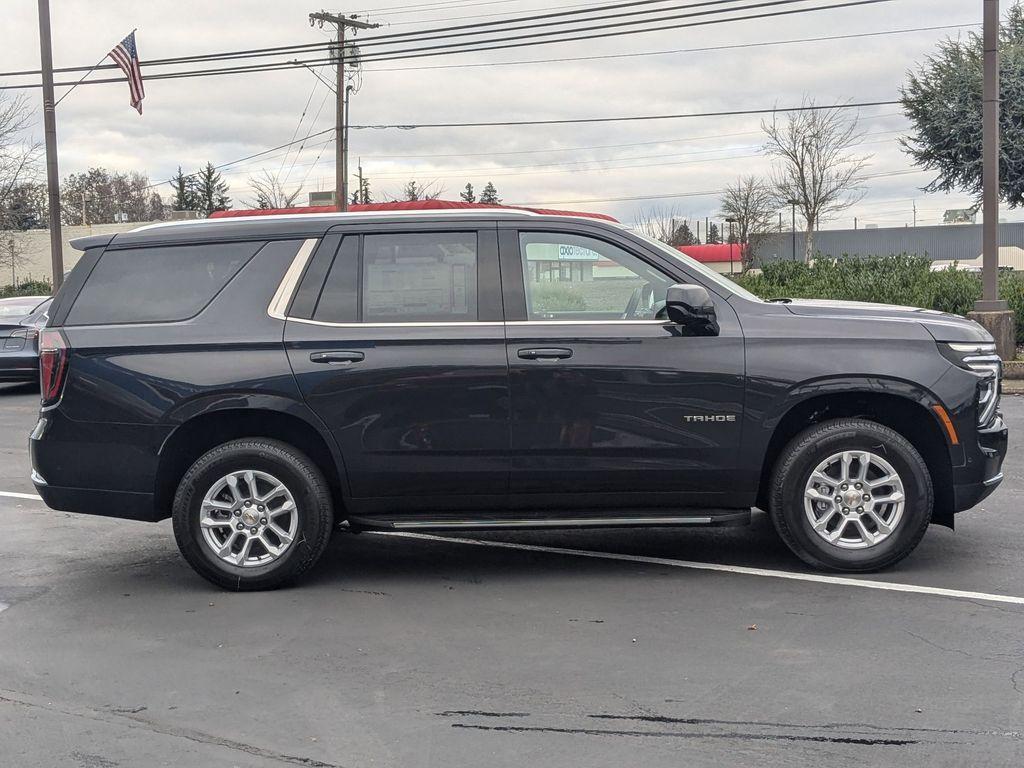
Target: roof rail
<point>442,212</point>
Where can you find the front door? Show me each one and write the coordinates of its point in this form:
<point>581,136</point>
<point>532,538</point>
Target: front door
<point>402,354</point>
<point>612,405</point>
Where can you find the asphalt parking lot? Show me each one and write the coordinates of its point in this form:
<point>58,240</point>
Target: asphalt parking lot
<point>427,652</point>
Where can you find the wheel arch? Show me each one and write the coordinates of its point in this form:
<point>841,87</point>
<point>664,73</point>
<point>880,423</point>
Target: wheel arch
<point>208,428</point>
<point>905,408</point>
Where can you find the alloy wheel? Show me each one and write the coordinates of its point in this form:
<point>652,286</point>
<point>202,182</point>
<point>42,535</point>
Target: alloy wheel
<point>248,518</point>
<point>854,499</point>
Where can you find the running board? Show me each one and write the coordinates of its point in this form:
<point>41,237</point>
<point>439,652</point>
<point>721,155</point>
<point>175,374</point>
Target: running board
<point>729,517</point>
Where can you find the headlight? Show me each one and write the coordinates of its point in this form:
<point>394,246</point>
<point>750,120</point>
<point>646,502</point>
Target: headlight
<point>982,360</point>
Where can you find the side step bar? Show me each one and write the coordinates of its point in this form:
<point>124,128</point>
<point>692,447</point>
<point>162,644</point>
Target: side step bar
<point>619,520</point>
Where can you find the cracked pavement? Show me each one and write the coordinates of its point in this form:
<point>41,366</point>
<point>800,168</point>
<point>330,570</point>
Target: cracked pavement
<point>400,652</point>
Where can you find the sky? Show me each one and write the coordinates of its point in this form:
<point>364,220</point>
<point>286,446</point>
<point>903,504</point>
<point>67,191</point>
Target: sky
<point>676,166</point>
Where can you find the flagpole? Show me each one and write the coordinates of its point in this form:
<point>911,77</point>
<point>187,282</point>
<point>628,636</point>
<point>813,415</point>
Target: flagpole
<point>50,134</point>
<point>93,69</point>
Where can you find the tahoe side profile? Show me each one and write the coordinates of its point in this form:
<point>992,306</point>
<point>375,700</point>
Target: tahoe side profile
<point>261,380</point>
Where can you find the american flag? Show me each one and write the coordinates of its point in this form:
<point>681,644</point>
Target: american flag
<point>126,56</point>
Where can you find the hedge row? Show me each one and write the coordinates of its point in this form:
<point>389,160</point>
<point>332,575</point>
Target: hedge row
<point>28,288</point>
<point>904,280</point>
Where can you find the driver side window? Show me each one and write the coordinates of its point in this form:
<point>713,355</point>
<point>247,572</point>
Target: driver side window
<point>574,277</point>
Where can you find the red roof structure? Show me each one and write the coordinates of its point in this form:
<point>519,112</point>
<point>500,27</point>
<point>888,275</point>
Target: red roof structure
<point>403,205</point>
<point>713,254</point>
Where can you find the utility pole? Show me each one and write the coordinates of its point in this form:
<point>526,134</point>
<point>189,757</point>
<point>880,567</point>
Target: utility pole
<point>343,23</point>
<point>50,135</point>
<point>991,312</point>
<point>360,166</point>
<point>915,213</point>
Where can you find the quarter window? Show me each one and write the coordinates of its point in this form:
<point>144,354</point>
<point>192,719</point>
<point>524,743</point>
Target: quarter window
<point>419,277</point>
<point>339,299</point>
<point>573,277</point>
<point>146,285</point>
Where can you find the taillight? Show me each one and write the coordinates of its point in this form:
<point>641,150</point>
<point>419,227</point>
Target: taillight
<point>53,364</point>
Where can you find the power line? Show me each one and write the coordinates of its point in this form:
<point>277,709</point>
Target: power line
<point>703,49</point>
<point>508,25</point>
<point>672,195</point>
<point>420,51</point>
<point>429,34</point>
<point>631,118</point>
<point>452,48</point>
<point>677,140</point>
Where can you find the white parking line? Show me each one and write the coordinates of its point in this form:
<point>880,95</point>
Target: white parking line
<point>888,586</point>
<point>13,495</point>
<point>842,581</point>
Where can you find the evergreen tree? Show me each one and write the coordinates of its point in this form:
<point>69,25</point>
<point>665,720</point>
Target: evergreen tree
<point>943,99</point>
<point>363,193</point>
<point>184,192</point>
<point>490,195</point>
<point>211,191</point>
<point>683,235</point>
<point>468,195</point>
<point>713,237</point>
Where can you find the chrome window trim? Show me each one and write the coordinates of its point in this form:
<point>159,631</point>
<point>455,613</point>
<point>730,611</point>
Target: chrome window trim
<point>588,322</point>
<point>455,323</point>
<point>283,296</point>
<point>475,323</point>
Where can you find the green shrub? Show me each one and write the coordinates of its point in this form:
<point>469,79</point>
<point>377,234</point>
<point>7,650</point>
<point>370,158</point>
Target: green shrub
<point>555,297</point>
<point>897,279</point>
<point>28,288</point>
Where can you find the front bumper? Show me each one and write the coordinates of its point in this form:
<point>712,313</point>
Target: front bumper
<point>992,446</point>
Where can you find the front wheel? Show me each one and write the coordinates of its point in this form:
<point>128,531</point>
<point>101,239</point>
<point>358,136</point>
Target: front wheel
<point>252,514</point>
<point>851,495</point>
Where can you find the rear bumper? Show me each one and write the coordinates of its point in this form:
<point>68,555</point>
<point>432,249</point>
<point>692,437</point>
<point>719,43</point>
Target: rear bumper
<point>18,367</point>
<point>122,504</point>
<point>987,470</point>
<point>95,468</point>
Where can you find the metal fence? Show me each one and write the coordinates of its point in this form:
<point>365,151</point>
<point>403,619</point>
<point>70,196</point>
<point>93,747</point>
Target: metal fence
<point>961,242</point>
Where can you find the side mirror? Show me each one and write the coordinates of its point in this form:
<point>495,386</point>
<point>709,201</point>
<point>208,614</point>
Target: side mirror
<point>691,307</point>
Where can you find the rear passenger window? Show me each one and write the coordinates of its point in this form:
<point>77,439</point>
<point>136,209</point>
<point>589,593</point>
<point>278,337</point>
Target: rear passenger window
<point>145,285</point>
<point>421,277</point>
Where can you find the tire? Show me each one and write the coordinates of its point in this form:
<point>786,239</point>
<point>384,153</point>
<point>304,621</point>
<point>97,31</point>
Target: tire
<point>304,532</point>
<point>866,442</point>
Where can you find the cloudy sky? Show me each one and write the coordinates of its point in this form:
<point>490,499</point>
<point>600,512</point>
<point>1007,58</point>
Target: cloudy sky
<point>677,164</point>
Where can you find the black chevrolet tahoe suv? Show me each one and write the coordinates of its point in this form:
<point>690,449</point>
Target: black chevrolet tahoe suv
<point>262,380</point>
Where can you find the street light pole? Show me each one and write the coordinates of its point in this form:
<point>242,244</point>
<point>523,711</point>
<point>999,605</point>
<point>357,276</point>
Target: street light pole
<point>730,222</point>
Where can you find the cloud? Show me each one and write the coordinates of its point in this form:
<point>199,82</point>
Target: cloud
<point>188,122</point>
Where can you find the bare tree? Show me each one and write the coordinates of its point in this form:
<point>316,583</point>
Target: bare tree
<point>665,224</point>
<point>268,192</point>
<point>413,191</point>
<point>17,155</point>
<point>12,255</point>
<point>751,203</point>
<point>817,169</point>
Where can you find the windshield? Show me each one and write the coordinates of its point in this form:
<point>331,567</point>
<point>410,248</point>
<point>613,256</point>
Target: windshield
<point>720,280</point>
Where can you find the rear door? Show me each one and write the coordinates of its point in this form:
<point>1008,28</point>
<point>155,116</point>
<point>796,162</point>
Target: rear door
<point>612,406</point>
<point>396,337</point>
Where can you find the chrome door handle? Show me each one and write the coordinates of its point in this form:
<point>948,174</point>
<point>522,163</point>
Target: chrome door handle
<point>341,357</point>
<point>552,353</point>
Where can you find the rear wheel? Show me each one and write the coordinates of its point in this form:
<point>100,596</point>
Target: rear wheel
<point>252,514</point>
<point>851,495</point>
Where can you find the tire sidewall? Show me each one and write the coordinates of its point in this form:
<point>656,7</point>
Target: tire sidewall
<point>231,458</point>
<point>889,446</point>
